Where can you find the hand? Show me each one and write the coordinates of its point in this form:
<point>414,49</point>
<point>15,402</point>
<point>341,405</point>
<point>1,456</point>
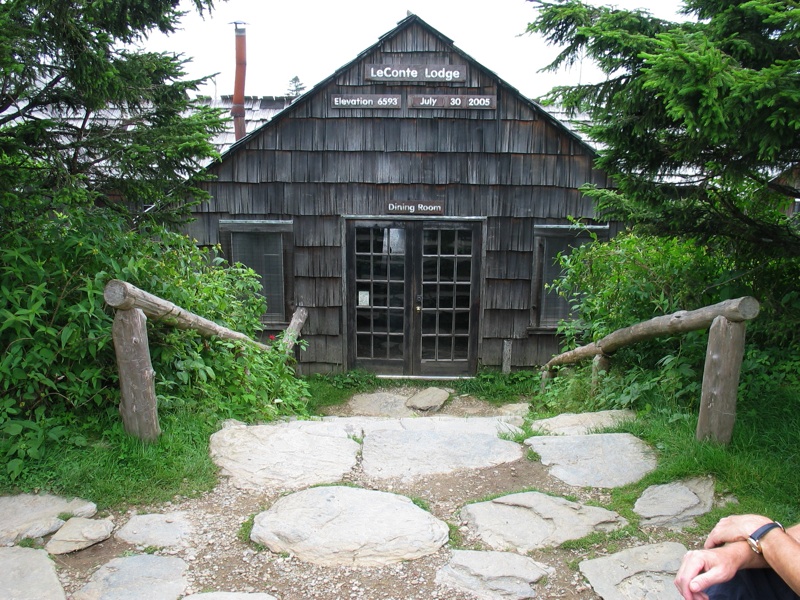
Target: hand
<point>701,569</point>
<point>736,528</point>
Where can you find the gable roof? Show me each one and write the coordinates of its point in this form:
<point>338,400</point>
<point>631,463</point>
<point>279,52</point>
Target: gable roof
<point>406,23</point>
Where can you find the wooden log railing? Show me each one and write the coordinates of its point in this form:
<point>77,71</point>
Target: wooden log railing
<point>726,322</point>
<point>138,406</point>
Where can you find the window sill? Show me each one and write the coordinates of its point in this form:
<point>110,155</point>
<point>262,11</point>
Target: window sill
<point>542,330</point>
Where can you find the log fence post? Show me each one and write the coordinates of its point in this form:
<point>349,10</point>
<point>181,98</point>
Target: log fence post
<point>724,355</point>
<point>138,407</point>
<point>600,365</point>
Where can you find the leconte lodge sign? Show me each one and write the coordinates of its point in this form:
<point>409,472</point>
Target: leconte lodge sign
<point>415,73</point>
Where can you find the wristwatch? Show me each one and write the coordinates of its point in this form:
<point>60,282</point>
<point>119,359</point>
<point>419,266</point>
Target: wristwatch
<point>755,538</point>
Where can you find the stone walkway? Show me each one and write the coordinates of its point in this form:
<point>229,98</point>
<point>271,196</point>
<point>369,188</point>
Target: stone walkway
<point>335,508</point>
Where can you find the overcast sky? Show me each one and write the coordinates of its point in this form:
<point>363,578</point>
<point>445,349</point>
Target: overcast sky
<point>310,39</point>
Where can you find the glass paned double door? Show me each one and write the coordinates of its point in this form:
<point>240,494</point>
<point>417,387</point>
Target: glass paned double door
<point>413,296</point>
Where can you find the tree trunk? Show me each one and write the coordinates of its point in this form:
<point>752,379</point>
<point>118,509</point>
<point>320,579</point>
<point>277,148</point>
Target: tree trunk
<point>293,331</point>
<point>138,405</point>
<point>721,381</point>
<point>122,295</point>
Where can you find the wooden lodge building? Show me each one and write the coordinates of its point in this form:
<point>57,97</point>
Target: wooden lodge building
<point>414,203</point>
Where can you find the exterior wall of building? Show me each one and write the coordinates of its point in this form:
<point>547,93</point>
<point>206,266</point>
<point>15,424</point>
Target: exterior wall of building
<point>316,167</point>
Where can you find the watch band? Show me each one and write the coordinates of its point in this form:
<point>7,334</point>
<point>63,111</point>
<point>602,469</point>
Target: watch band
<point>755,538</point>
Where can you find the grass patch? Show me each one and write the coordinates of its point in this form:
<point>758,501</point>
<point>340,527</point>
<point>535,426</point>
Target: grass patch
<point>759,467</point>
<point>421,503</point>
<point>456,538</point>
<point>333,390</point>
<point>115,468</point>
<point>350,484</point>
<point>611,541</point>
<point>500,388</point>
<point>245,529</point>
<point>525,432</point>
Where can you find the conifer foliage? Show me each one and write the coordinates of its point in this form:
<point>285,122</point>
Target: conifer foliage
<point>698,121</point>
<point>85,116</point>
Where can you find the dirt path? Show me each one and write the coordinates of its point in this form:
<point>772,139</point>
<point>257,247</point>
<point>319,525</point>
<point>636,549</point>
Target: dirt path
<point>220,561</point>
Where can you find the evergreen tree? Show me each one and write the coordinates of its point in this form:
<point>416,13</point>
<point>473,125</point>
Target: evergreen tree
<point>295,87</point>
<point>87,118</point>
<point>698,121</point>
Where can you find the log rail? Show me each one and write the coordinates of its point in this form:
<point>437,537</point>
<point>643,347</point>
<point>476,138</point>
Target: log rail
<point>138,406</point>
<point>726,323</point>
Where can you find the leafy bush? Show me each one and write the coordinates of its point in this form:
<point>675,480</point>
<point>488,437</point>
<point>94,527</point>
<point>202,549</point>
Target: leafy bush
<point>58,377</point>
<point>633,278</point>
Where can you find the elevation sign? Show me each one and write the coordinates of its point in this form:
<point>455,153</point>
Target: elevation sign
<point>366,101</point>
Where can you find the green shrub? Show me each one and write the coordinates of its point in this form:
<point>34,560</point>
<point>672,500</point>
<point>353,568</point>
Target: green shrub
<point>632,278</point>
<point>58,376</point>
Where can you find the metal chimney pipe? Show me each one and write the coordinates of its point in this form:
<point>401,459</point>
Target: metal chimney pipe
<point>237,110</point>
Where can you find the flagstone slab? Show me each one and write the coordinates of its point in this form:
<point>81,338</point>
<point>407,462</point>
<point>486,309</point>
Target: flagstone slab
<point>34,516</point>
<point>582,423</point>
<point>168,530</point>
<point>429,399</point>
<point>530,520</point>
<point>339,525</point>
<point>493,575</point>
<point>645,572</point>
<point>268,456</point>
<point>136,577</point>
<point>517,409</point>
<point>674,505</point>
<point>79,533</point>
<point>416,453</point>
<point>605,460</point>
<point>344,427</point>
<point>28,574</point>
<point>506,425</point>
<point>380,404</point>
<point>362,426</point>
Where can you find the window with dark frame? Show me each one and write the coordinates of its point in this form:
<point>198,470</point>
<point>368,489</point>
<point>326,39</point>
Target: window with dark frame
<point>263,252</point>
<point>265,247</point>
<point>551,241</point>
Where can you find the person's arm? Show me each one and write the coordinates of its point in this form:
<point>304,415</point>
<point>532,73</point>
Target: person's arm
<point>782,552</point>
<point>727,551</point>
<point>779,550</point>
